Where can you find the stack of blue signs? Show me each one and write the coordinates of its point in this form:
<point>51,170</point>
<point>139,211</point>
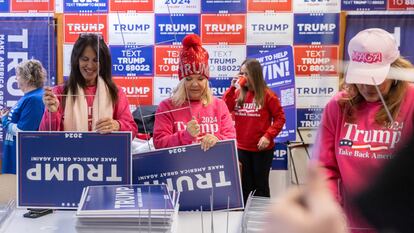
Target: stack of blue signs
<point>127,208</point>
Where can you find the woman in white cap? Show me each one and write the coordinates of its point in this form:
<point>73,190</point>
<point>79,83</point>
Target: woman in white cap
<point>363,125</point>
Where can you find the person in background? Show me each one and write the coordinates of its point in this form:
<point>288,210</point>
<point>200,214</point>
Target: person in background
<point>363,125</point>
<point>192,114</point>
<point>387,203</point>
<point>89,100</point>
<point>259,118</point>
<point>28,111</point>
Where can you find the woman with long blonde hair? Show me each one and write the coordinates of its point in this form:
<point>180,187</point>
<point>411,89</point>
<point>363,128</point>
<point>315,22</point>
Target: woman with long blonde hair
<point>192,114</point>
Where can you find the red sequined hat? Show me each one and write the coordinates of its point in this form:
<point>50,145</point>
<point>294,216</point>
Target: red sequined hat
<point>193,58</point>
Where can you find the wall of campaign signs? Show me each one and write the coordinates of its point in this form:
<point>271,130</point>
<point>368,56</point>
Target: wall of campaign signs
<point>144,38</point>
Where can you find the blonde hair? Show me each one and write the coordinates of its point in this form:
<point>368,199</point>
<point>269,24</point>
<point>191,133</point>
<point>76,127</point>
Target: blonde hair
<point>33,72</point>
<point>179,96</point>
<point>353,99</point>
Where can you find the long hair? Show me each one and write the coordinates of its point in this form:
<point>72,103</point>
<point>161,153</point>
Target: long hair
<point>179,95</point>
<point>353,99</point>
<point>33,72</point>
<point>105,65</point>
<point>257,82</point>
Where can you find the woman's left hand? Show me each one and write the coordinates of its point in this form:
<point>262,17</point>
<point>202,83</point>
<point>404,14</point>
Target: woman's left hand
<point>107,125</point>
<point>263,143</point>
<point>208,141</point>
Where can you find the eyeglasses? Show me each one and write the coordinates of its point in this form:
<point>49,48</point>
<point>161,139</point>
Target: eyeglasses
<point>93,35</point>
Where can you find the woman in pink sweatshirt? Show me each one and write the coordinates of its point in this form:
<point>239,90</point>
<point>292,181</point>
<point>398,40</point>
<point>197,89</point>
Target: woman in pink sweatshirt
<point>363,125</point>
<point>89,100</point>
<point>192,114</point>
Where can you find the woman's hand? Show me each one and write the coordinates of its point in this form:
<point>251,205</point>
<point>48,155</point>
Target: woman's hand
<point>107,125</point>
<point>263,143</point>
<point>308,209</point>
<point>193,127</point>
<point>50,100</point>
<point>208,141</point>
<point>4,112</point>
<point>234,80</point>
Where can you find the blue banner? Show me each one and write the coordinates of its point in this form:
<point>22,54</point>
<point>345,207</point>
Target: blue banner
<point>398,25</point>
<point>219,85</point>
<point>173,28</point>
<point>220,6</point>
<point>309,117</point>
<point>194,173</point>
<point>54,167</point>
<point>4,5</point>
<point>316,29</point>
<point>279,74</point>
<point>280,157</point>
<point>85,6</point>
<point>355,5</point>
<point>132,60</point>
<point>22,38</point>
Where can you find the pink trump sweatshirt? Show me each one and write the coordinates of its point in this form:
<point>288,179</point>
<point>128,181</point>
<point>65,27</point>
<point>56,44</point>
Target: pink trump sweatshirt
<point>170,122</point>
<point>352,153</point>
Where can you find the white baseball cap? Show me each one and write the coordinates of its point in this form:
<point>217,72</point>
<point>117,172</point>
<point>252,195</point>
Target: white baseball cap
<point>371,53</point>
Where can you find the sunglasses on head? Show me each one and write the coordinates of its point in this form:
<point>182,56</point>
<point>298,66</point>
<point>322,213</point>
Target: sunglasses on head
<point>91,35</point>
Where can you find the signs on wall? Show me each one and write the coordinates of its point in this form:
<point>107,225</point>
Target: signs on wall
<point>89,6</point>
<point>357,5</point>
<point>132,60</point>
<point>228,29</point>
<point>76,24</point>
<point>173,28</point>
<point>315,92</point>
<point>269,28</point>
<point>138,90</point>
<point>279,74</point>
<point>317,28</point>
<point>225,60</point>
<point>131,29</point>
<point>316,60</point>
<point>131,6</point>
<point>220,6</point>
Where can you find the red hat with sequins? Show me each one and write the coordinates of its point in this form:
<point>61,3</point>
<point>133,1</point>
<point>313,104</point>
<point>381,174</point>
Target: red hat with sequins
<point>193,58</point>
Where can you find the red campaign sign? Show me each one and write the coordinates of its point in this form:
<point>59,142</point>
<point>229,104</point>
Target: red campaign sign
<point>269,6</point>
<point>32,6</point>
<point>228,29</point>
<point>311,60</point>
<point>166,60</point>
<point>78,24</point>
<point>139,90</point>
<point>400,4</point>
<point>131,6</point>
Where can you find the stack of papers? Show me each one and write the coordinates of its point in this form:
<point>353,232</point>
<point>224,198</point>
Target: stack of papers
<point>127,208</point>
<point>254,217</point>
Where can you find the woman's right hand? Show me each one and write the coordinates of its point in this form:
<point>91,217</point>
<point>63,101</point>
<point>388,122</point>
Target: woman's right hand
<point>193,127</point>
<point>234,80</point>
<point>50,100</point>
<point>5,111</point>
